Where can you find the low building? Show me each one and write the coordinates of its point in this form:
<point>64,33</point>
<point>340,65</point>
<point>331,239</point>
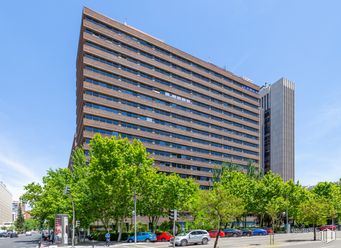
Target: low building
<point>5,204</point>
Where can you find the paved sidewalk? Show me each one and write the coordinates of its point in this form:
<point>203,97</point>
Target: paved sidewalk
<point>293,240</point>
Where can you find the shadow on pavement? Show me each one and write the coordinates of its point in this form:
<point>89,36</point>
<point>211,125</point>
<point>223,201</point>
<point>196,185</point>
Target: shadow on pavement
<point>298,240</point>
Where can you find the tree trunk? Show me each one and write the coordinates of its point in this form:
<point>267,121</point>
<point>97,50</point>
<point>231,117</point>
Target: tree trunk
<point>261,220</point>
<point>314,232</point>
<point>216,239</point>
<point>106,224</point>
<point>119,231</point>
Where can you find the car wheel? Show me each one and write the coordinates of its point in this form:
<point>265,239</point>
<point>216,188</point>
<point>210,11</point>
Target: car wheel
<point>147,240</point>
<point>204,241</point>
<point>163,240</point>
<point>130,241</point>
<point>234,235</point>
<point>183,242</point>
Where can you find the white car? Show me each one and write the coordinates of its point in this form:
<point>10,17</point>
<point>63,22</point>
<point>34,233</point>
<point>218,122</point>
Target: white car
<point>28,233</point>
<point>192,237</point>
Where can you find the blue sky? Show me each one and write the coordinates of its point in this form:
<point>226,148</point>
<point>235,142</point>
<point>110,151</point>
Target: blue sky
<point>262,40</point>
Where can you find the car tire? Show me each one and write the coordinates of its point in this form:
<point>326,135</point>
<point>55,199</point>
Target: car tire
<point>234,235</point>
<point>184,242</point>
<point>130,241</point>
<point>204,241</point>
<point>147,240</point>
<point>163,240</point>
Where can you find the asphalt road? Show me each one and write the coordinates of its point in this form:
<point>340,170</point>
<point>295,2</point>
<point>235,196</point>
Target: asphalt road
<point>21,242</point>
<point>294,240</point>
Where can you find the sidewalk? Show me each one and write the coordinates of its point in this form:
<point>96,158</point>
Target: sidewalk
<point>89,244</point>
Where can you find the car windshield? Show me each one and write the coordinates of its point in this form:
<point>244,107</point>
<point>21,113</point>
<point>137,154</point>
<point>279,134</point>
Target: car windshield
<point>182,234</point>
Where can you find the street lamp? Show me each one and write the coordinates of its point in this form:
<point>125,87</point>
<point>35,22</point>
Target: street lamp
<point>68,192</point>
<point>134,212</point>
<point>135,226</point>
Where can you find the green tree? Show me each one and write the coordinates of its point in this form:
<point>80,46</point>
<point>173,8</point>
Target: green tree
<point>218,206</point>
<point>19,222</point>
<point>31,224</point>
<point>239,184</point>
<point>274,208</point>
<point>330,192</point>
<point>49,199</point>
<point>269,187</point>
<point>117,169</point>
<point>313,211</point>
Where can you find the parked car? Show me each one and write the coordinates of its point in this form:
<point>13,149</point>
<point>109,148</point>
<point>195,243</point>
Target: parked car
<point>231,232</point>
<point>28,233</point>
<point>327,227</point>
<point>246,232</point>
<point>163,236</point>
<point>259,231</point>
<point>268,229</point>
<point>3,235</point>
<point>142,236</point>
<point>192,237</point>
<point>214,233</point>
<point>12,235</point>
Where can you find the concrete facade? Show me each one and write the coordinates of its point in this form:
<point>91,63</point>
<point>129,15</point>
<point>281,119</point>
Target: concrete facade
<point>5,204</point>
<point>278,130</point>
<point>191,115</point>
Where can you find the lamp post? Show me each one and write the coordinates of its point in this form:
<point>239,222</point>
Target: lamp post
<point>67,192</point>
<point>135,226</point>
<point>287,220</point>
<point>134,212</point>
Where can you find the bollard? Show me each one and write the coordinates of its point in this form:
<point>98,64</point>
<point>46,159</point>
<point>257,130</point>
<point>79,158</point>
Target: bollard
<point>272,238</point>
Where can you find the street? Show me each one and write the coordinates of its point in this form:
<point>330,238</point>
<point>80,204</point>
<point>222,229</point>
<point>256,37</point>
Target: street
<point>293,240</point>
<point>21,242</point>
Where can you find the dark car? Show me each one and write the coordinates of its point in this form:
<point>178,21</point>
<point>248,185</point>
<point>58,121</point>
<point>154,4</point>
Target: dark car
<point>3,235</point>
<point>246,232</point>
<point>12,235</point>
<point>231,232</point>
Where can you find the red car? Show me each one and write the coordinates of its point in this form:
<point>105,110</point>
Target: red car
<point>327,227</point>
<point>164,236</point>
<point>214,233</point>
<point>268,229</point>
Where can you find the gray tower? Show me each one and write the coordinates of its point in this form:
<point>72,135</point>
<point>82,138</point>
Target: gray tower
<point>278,128</point>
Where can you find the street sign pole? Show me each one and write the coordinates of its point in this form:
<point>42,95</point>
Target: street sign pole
<point>135,224</point>
<point>174,220</point>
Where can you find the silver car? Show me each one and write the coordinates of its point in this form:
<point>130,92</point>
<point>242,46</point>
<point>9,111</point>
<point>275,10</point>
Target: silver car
<point>192,237</point>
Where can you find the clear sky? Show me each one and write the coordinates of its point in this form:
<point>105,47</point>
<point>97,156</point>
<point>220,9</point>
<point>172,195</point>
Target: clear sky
<point>262,40</point>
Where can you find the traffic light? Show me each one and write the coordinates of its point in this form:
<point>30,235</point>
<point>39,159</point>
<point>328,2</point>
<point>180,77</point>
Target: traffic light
<point>172,214</point>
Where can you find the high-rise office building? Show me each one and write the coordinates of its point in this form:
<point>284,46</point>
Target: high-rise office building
<point>191,115</point>
<point>278,131</point>
<point>5,204</point>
